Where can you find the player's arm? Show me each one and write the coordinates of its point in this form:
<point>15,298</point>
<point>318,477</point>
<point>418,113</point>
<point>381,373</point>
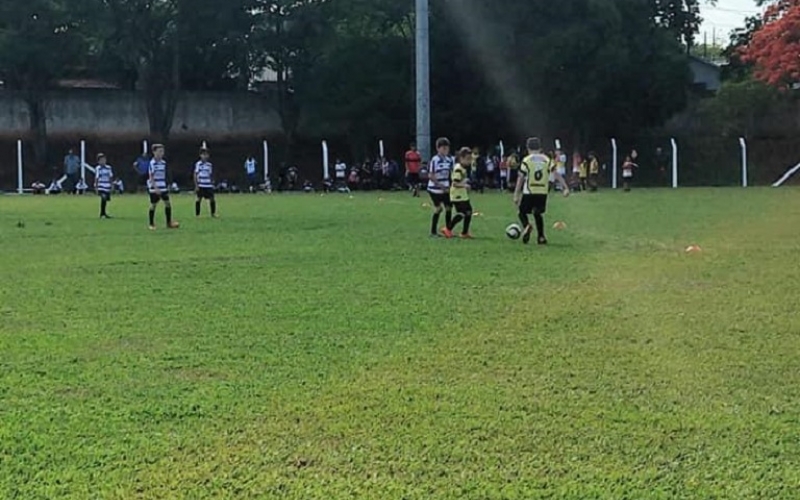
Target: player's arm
<point>196,182</point>
<point>95,181</point>
<point>521,179</point>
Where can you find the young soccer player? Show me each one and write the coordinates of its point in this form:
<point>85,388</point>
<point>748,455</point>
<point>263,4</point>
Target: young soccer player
<point>594,172</point>
<point>459,195</point>
<point>413,162</point>
<point>103,183</point>
<point>158,188</point>
<point>627,172</point>
<point>531,191</point>
<point>583,173</point>
<point>439,172</point>
<point>204,183</point>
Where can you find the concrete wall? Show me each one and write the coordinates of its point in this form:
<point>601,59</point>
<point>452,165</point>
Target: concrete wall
<point>121,114</point>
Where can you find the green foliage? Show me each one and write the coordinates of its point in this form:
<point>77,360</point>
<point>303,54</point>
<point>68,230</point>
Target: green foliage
<point>739,107</point>
<point>40,42</point>
<point>301,348</point>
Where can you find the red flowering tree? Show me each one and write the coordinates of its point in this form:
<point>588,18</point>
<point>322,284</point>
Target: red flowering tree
<point>774,49</point>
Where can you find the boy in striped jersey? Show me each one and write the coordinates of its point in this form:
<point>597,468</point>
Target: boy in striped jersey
<point>103,183</point>
<point>157,187</point>
<point>204,184</point>
<point>439,172</point>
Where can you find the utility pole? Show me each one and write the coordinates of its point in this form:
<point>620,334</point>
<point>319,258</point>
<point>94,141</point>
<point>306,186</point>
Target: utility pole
<point>423,80</point>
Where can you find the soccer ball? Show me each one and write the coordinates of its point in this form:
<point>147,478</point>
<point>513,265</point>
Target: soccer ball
<point>514,231</point>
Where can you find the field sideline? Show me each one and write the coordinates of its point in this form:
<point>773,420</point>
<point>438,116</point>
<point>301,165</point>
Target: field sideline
<point>309,347</point>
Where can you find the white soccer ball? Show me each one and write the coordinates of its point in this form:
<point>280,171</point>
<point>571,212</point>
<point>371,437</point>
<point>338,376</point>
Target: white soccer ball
<point>514,231</point>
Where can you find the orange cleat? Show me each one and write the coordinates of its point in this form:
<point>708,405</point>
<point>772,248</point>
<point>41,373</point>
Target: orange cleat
<point>447,233</point>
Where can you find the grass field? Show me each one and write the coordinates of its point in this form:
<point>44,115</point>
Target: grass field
<point>308,347</point>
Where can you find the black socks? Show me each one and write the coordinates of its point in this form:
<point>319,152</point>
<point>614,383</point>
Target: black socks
<point>435,223</point>
<point>213,208</point>
<point>197,208</point>
<point>168,212</point>
<point>152,216</point>
<point>539,225</point>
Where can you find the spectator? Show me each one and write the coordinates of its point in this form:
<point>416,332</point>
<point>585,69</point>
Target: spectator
<point>174,188</point>
<point>413,162</point>
<point>353,179</point>
<point>55,187</point>
<point>308,186</point>
<point>341,171</point>
<point>292,177</point>
<point>662,163</point>
<point>222,187</point>
<point>594,172</point>
<point>119,187</point>
<point>142,167</point>
<point>81,187</point>
<point>250,169</point>
<point>38,187</point>
<point>327,185</point>
<point>491,167</point>
<point>72,167</point>
<point>377,173</point>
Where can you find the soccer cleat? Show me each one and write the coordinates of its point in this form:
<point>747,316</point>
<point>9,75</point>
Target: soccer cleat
<point>542,240</point>
<point>467,236</point>
<point>152,228</point>
<point>526,234</point>
<point>434,235</point>
<point>447,233</point>
<point>174,225</point>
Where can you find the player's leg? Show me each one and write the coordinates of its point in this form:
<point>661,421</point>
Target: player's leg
<point>167,209</point>
<point>454,221</point>
<point>212,201</point>
<point>102,205</point>
<point>467,212</point>
<point>525,209</point>
<point>154,199</point>
<point>438,206</point>
<point>198,202</point>
<point>539,209</point>
<point>448,209</point>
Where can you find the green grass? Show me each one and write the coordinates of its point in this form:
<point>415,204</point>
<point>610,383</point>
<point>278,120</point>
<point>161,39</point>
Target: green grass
<point>308,347</point>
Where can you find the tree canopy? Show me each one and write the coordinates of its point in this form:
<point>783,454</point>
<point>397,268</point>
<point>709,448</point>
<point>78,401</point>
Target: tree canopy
<point>573,67</point>
<point>774,47</point>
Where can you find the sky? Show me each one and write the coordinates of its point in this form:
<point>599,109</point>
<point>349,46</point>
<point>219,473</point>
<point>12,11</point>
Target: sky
<point>725,16</point>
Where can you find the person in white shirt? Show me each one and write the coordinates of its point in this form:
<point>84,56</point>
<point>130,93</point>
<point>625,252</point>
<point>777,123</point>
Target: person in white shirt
<point>81,187</point>
<point>103,183</point>
<point>250,168</point>
<point>341,171</point>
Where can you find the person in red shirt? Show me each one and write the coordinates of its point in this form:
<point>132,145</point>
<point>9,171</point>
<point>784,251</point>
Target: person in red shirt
<point>413,162</point>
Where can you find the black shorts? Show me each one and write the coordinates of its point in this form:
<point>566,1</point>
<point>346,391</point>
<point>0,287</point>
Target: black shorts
<point>104,195</point>
<point>533,203</point>
<point>155,198</point>
<point>440,199</point>
<point>413,178</point>
<point>205,193</point>
<point>463,207</point>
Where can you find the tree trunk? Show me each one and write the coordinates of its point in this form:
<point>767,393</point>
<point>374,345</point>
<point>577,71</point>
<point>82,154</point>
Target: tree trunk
<point>36,103</point>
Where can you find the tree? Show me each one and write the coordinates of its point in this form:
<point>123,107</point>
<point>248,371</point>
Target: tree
<point>774,47</point>
<point>286,38</point>
<point>40,42</point>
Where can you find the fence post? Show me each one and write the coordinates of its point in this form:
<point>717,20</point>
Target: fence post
<point>614,159</point>
<point>83,161</point>
<point>144,147</point>
<point>743,144</point>
<point>325,165</point>
<point>381,150</point>
<point>266,161</point>
<point>20,183</point>
<point>502,151</point>
<point>674,163</point>
<point>558,144</point>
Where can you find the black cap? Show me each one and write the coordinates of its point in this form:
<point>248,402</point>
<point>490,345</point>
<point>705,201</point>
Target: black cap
<point>533,144</point>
